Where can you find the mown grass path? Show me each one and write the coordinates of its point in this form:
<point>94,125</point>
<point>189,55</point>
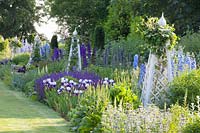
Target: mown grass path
<point>18,114</point>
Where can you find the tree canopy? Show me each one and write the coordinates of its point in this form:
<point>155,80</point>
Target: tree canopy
<point>17,17</point>
<point>83,13</point>
<point>184,14</point>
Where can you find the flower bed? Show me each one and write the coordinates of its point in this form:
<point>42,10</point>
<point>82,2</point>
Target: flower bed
<point>40,86</point>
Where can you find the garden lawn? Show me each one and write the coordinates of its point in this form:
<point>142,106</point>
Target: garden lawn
<point>19,114</point>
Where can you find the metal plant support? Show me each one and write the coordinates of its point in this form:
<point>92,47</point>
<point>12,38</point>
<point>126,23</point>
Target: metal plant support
<point>74,59</point>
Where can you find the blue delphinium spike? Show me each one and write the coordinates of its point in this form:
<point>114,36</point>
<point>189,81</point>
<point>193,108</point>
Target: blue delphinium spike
<point>193,63</point>
<point>188,61</point>
<point>142,74</point>
<point>135,62</point>
<point>180,62</point>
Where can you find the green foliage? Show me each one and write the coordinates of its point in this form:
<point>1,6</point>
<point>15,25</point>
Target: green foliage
<point>113,119</point>
<point>87,115</point>
<point>5,74</point>
<point>157,36</point>
<point>86,14</point>
<point>134,43</point>
<point>21,59</point>
<point>185,16</point>
<point>54,42</point>
<point>123,91</point>
<point>192,127</point>
<point>119,19</point>
<point>187,82</point>
<point>57,66</point>
<point>5,51</point>
<point>25,82</point>
<point>36,53</point>
<point>30,38</point>
<point>129,77</point>
<point>190,42</point>
<point>62,103</point>
<point>99,36</point>
<point>125,88</point>
<point>2,43</point>
<point>18,17</point>
<point>177,114</point>
<point>101,71</point>
<point>15,43</point>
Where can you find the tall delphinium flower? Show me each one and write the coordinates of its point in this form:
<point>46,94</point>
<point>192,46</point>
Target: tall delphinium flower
<point>118,56</point>
<point>89,52</point>
<point>56,53</point>
<point>193,63</point>
<point>122,56</point>
<point>135,61</point>
<point>142,74</point>
<point>180,61</point>
<point>93,60</point>
<point>83,55</point>
<point>42,52</point>
<point>188,61</point>
<point>105,57</point>
<point>173,67</point>
<point>47,50</point>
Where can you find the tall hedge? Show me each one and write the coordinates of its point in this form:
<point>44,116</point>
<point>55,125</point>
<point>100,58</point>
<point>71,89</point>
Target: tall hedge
<point>99,37</point>
<point>54,42</point>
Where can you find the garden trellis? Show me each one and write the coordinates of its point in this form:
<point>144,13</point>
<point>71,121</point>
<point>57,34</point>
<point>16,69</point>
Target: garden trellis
<point>158,75</point>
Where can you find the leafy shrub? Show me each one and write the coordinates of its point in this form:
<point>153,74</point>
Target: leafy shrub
<point>192,127</point>
<point>25,82</point>
<point>187,84</point>
<point>123,91</point>
<point>5,74</point>
<point>21,59</point>
<point>15,43</point>
<point>2,44</point>
<point>36,54</point>
<point>190,42</point>
<point>57,66</point>
<point>87,115</point>
<point>5,51</point>
<point>62,103</point>
<point>144,120</point>
<point>101,71</point>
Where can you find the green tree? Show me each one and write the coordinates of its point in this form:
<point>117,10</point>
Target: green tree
<point>185,12</point>
<point>83,13</point>
<point>17,17</point>
<point>119,19</point>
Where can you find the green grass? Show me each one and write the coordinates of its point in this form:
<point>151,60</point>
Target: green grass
<point>19,114</point>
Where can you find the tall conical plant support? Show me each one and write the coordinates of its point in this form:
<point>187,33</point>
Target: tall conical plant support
<point>75,53</point>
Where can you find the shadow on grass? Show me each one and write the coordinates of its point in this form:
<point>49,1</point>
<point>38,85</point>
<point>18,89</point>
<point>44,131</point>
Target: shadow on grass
<point>45,129</point>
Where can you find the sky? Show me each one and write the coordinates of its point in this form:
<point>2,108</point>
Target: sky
<point>49,27</point>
